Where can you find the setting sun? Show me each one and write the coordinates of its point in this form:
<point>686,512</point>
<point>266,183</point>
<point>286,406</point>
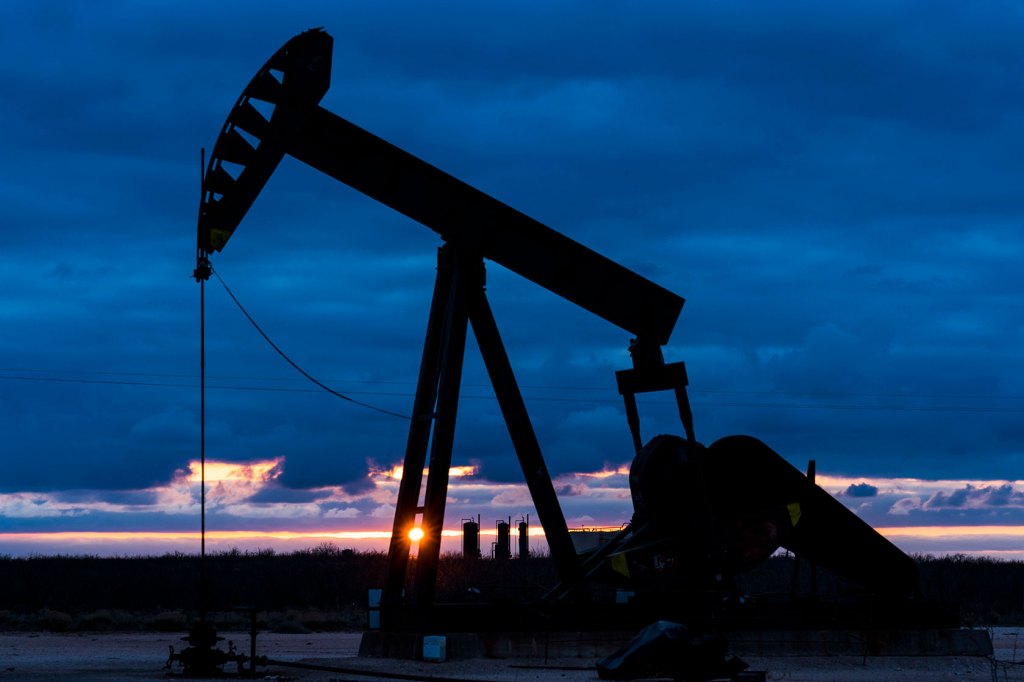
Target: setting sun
<point>416,534</point>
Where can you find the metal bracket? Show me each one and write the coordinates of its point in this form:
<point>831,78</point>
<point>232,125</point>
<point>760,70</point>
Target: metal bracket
<point>654,377</point>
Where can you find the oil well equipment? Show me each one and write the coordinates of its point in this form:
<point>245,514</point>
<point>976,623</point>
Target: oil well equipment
<point>703,514</point>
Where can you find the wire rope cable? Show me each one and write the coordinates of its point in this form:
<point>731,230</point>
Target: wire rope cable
<point>291,362</point>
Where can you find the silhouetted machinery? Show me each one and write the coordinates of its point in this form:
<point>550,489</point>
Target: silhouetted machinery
<point>702,514</point>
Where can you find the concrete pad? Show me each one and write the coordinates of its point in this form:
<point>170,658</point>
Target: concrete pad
<point>594,645</point>
<point>113,657</point>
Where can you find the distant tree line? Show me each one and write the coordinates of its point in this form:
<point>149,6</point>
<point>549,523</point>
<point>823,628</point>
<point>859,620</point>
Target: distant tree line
<point>987,591</point>
<point>325,587</point>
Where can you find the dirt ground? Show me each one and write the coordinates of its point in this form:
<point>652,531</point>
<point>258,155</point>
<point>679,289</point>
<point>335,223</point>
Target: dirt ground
<point>125,656</point>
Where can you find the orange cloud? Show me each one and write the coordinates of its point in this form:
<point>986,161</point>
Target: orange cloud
<point>396,472</point>
<point>622,470</point>
<point>260,471</point>
<point>227,484</point>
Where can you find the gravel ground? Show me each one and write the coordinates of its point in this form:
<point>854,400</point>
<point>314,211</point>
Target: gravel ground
<point>122,656</point>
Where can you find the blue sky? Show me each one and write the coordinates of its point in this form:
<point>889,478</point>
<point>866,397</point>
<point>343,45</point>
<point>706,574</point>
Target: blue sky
<point>835,188</point>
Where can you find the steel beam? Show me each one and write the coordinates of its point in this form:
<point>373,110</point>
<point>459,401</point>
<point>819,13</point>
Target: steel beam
<point>419,434</point>
<point>524,440</point>
<point>470,219</point>
<point>453,348</point>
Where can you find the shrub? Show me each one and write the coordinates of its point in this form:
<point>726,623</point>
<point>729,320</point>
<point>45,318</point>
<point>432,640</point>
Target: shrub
<point>54,621</point>
<point>289,623</point>
<point>98,620</point>
<point>167,621</point>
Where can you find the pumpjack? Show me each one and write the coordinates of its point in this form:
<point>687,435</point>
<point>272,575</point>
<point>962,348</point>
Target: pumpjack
<point>702,514</point>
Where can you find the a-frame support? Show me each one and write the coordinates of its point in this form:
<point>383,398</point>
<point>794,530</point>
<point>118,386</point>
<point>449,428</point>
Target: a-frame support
<point>459,300</point>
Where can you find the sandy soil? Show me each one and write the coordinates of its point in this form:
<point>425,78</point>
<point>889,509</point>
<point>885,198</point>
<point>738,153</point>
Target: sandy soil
<point>119,656</point>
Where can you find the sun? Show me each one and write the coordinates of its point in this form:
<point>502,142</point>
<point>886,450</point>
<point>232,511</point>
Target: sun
<point>416,534</point>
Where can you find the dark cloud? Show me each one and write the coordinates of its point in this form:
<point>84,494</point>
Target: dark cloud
<point>861,490</point>
<point>273,492</point>
<point>569,490</point>
<point>971,496</point>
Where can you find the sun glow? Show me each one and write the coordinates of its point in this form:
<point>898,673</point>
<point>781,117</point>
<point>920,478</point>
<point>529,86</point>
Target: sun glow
<point>416,534</point>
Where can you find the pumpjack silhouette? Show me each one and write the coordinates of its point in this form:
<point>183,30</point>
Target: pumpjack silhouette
<point>702,515</point>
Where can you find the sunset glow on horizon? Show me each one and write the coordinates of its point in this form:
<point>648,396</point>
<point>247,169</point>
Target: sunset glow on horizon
<point>908,538</point>
<point>249,508</point>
